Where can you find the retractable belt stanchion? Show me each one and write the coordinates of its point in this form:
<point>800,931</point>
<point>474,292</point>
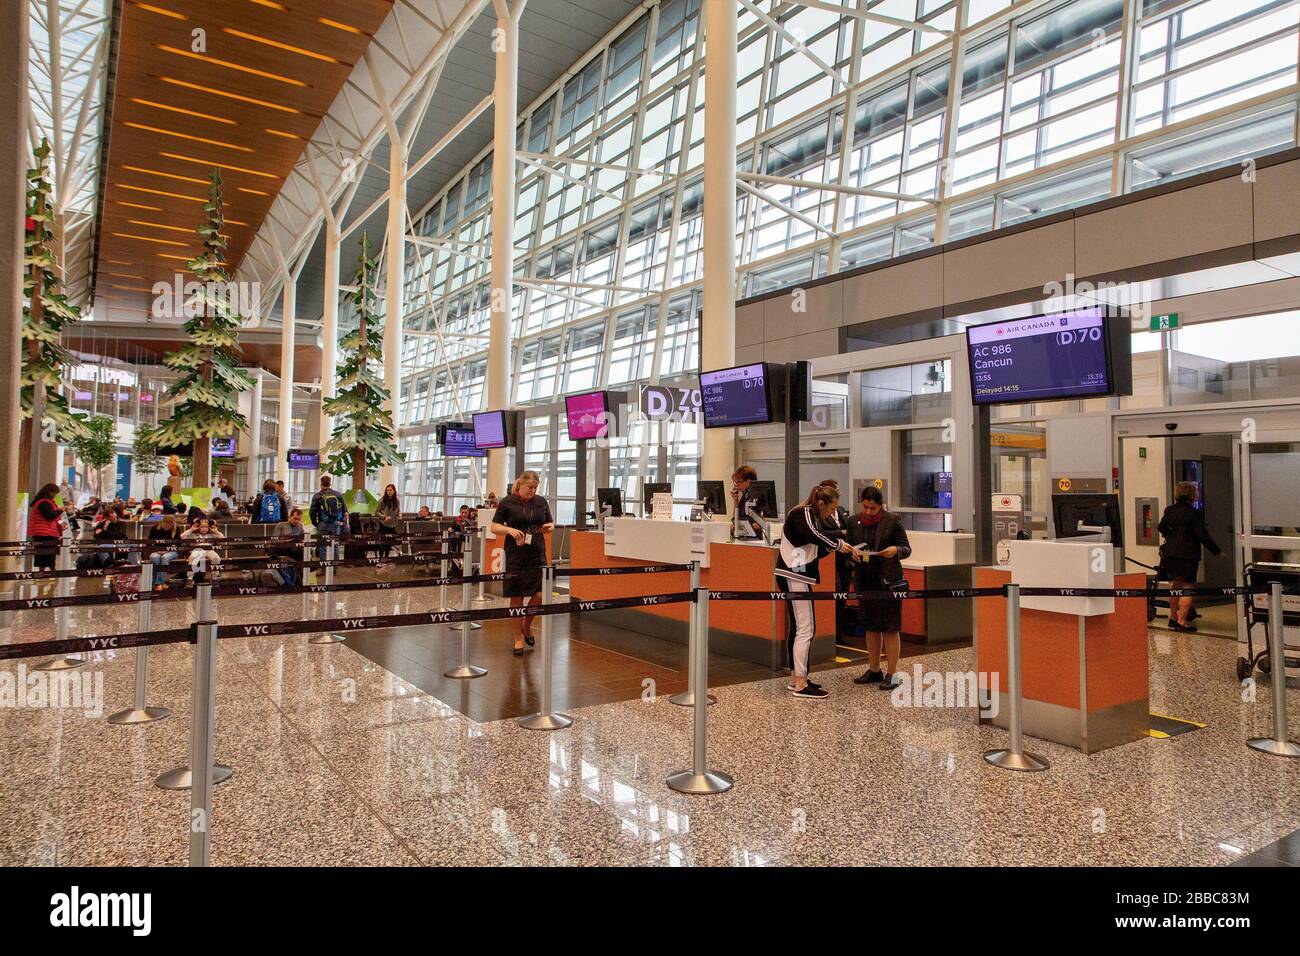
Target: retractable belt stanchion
<point>302,578</point>
<point>1280,744</point>
<point>465,670</point>
<point>326,637</point>
<point>204,712</point>
<point>442,573</point>
<point>482,600</point>
<point>700,779</point>
<point>466,570</point>
<point>546,719</point>
<point>687,697</point>
<point>203,719</point>
<point>62,588</point>
<point>1014,757</point>
<point>140,712</point>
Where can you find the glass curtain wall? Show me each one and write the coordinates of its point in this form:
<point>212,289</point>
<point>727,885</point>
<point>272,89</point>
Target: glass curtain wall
<point>1050,115</point>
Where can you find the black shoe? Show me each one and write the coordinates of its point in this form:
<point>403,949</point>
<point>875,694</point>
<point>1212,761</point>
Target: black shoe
<point>869,677</point>
<point>518,652</point>
<point>530,640</point>
<point>812,692</point>
<point>889,682</point>
<point>811,683</point>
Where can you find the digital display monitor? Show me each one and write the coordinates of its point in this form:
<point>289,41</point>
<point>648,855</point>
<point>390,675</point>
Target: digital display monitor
<point>648,492</point>
<point>458,442</point>
<point>1049,357</point>
<point>611,498</point>
<point>737,396</point>
<point>942,489</point>
<point>762,494</point>
<point>222,447</point>
<point>1094,510</point>
<point>587,415</point>
<point>714,496</point>
<point>304,459</point>
<point>489,429</point>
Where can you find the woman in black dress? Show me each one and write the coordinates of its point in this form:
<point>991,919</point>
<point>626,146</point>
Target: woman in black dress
<point>882,619</point>
<point>1183,528</point>
<point>522,519</point>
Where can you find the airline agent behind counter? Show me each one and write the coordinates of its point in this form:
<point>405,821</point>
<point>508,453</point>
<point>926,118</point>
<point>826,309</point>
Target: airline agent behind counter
<point>740,482</point>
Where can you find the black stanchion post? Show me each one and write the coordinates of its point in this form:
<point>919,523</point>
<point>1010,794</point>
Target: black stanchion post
<point>546,719</point>
<point>181,778</point>
<point>1014,756</point>
<point>700,779</point>
<point>687,697</point>
<point>140,712</point>
<point>1280,744</point>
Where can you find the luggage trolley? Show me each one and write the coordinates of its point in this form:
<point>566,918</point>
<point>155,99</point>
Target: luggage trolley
<point>1260,575</point>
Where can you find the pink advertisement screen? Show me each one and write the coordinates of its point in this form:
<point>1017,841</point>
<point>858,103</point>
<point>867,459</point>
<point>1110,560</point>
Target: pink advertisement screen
<point>587,416</point>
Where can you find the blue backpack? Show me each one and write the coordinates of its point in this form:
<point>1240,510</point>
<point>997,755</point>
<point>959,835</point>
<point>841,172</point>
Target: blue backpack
<point>269,511</point>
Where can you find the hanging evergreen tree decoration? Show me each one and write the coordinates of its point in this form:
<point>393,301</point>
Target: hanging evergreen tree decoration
<point>206,395</point>
<point>45,313</point>
<point>362,439</point>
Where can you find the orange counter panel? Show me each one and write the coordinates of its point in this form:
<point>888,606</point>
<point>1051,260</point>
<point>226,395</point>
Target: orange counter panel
<point>735,567</point>
<point>1116,648</point>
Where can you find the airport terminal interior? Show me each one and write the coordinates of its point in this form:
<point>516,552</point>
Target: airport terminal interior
<point>650,433</point>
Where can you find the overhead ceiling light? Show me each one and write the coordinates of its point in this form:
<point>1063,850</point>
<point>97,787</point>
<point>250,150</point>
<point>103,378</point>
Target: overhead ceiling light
<point>230,66</point>
<point>340,26</point>
<point>278,45</point>
<point>280,132</point>
<point>208,162</point>
<point>119,262</point>
<point>255,192</point>
<point>233,96</point>
<point>165,242</point>
<point>166,13</point>
<point>136,205</point>
<point>131,288</point>
<point>194,139</point>
<point>159,225</point>
<point>270,3</point>
<point>164,255</point>
<point>124,275</point>
<point>160,192</point>
<point>181,109</point>
<point>159,172</point>
<point>235,222</point>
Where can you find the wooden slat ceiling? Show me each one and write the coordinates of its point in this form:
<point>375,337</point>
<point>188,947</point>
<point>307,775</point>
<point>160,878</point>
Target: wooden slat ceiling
<point>248,103</point>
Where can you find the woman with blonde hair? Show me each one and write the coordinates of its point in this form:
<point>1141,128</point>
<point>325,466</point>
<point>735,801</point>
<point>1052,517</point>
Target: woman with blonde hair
<point>522,519</point>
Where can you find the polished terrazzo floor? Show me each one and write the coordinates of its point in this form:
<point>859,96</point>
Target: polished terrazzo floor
<point>339,761</point>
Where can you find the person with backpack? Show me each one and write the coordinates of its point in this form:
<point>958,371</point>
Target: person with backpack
<point>268,507</point>
<point>329,513</point>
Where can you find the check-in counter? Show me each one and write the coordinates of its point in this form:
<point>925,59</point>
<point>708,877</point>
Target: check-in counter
<point>939,559</point>
<point>749,630</point>
<point>1084,666</point>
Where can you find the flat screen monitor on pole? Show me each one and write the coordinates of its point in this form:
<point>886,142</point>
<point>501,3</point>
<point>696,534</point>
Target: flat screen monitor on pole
<point>762,494</point>
<point>713,494</point>
<point>1089,510</point>
<point>490,430</point>
<point>1081,353</point>
<point>611,498</point>
<point>304,459</point>
<point>648,492</point>
<point>743,395</point>
<point>458,442</point>
<point>587,415</point>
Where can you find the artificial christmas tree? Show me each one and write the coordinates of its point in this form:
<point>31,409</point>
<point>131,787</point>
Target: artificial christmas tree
<point>362,439</point>
<point>45,412</point>
<point>206,394</point>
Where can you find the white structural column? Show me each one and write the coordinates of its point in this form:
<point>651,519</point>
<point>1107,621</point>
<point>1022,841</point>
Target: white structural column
<point>505,98</point>
<point>951,126</point>
<point>718,324</point>
<point>329,333</point>
<point>288,318</point>
<point>255,433</point>
<point>395,256</point>
<point>13,206</point>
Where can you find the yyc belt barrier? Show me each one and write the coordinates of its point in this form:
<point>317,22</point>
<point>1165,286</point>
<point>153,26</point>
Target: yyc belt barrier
<point>90,600</point>
<point>647,569</point>
<point>84,645</point>
<point>1001,591</point>
<point>27,546</point>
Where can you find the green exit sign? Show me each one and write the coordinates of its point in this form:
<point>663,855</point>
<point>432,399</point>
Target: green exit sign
<point>1164,323</point>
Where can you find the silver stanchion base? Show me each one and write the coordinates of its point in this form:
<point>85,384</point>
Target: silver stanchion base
<point>555,721</point>
<point>182,779</point>
<point>473,626</point>
<point>326,639</point>
<point>60,664</point>
<point>687,699</point>
<point>1030,763</point>
<point>484,601</point>
<point>711,781</point>
<point>465,672</point>
<point>138,715</point>
<point>1278,748</point>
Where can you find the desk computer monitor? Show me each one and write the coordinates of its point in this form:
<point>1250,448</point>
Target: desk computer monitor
<point>611,498</point>
<point>763,495</point>
<point>1091,509</point>
<point>648,493</point>
<point>713,495</point>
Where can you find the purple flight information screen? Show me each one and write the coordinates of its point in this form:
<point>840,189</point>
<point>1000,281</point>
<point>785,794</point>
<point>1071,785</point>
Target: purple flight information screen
<point>490,429</point>
<point>300,460</point>
<point>1041,358</point>
<point>735,396</point>
<point>587,416</point>
<point>459,443</point>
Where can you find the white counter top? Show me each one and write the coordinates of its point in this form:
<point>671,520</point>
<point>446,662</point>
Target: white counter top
<point>663,542</point>
<point>1062,564</point>
<point>939,547</point>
